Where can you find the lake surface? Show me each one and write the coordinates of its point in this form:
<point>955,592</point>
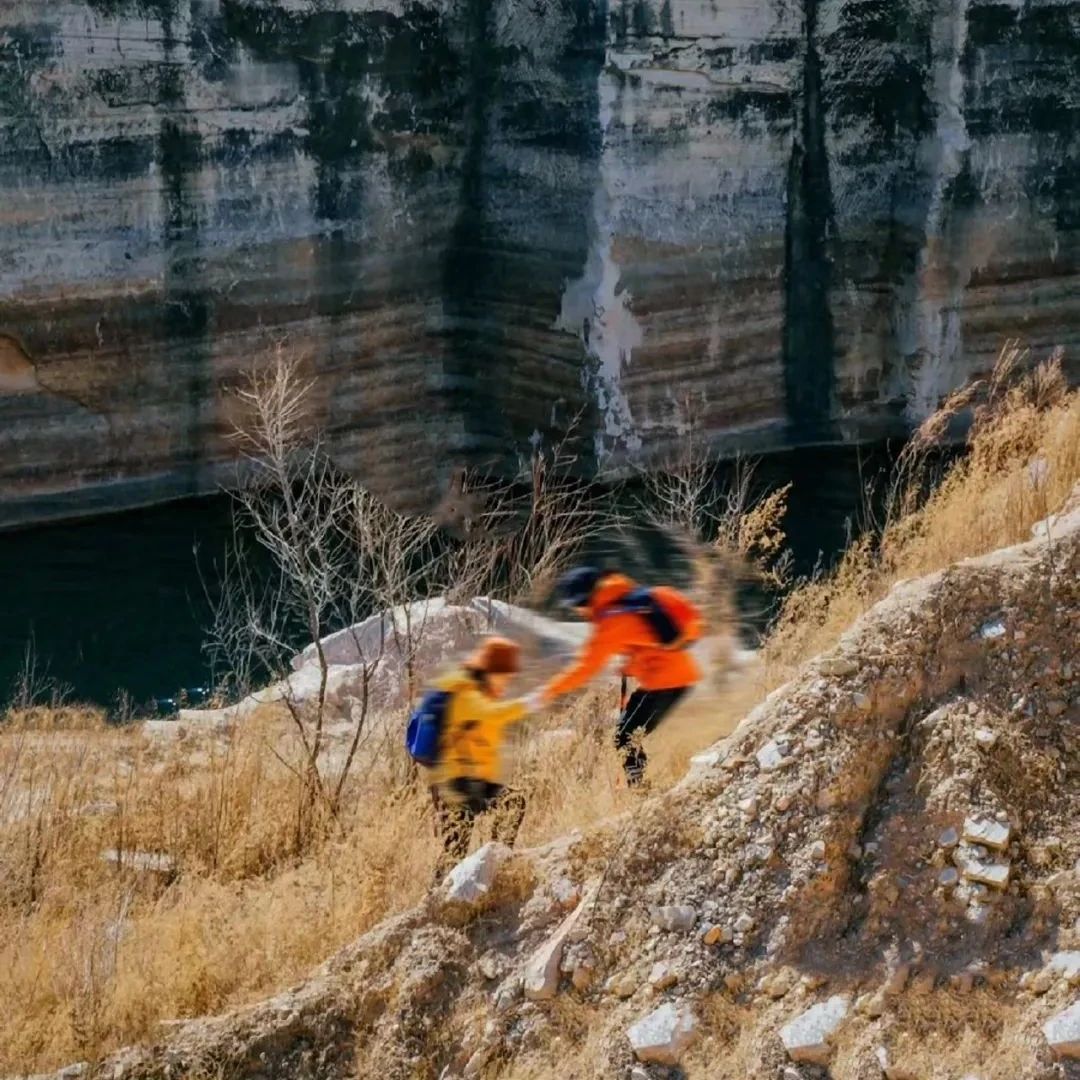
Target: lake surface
<point>116,602</point>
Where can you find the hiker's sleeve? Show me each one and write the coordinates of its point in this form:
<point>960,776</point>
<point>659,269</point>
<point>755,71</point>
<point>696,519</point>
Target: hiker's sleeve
<point>498,713</point>
<point>592,659</point>
<point>510,712</point>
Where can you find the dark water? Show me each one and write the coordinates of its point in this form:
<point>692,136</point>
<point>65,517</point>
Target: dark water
<point>117,602</point>
<point>113,602</point>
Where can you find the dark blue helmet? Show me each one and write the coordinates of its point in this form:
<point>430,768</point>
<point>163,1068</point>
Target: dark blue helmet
<point>576,586</point>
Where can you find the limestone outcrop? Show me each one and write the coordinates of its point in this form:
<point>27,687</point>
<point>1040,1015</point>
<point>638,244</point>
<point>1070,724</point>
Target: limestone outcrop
<point>473,220</point>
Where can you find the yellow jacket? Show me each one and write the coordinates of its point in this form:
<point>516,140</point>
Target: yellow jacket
<point>474,730</point>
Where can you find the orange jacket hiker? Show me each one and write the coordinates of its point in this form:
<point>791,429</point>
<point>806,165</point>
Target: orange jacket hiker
<point>630,634</point>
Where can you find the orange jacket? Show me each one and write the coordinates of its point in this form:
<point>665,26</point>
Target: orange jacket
<point>623,633</point>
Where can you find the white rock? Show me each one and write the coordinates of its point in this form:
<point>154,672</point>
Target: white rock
<point>1066,964</point>
<point>770,756</point>
<point>541,977</point>
<point>990,630</point>
<point>986,831</point>
<point>154,862</point>
<point>988,873</point>
<point>976,868</point>
<point>664,1035</point>
<point>1062,1032</point>
<point>708,759</point>
<point>744,923</point>
<point>817,850</point>
<point>662,976</point>
<point>675,917</point>
<point>985,737</point>
<point>472,877</point>
<point>806,1038</point>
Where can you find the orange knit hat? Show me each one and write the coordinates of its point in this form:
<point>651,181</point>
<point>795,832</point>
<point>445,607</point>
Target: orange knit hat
<point>496,656</point>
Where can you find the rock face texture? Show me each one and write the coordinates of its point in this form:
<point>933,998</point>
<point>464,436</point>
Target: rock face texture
<point>474,220</point>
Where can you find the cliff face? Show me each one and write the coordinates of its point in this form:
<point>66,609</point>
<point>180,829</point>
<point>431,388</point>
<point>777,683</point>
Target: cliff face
<point>475,219</point>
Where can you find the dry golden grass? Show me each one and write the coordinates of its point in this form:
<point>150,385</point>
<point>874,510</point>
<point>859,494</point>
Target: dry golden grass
<point>1022,462</point>
<point>93,957</point>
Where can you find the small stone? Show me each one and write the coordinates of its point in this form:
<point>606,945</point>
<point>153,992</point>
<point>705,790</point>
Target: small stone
<point>541,976</point>
<point>817,850</point>
<point>770,756</point>
<point>622,986</point>
<point>991,630</point>
<point>948,877</point>
<point>993,874</point>
<point>675,917</point>
<point>492,966</point>
<point>806,1038</point>
<point>1056,707</point>
<point>985,737</point>
<point>744,923</point>
<point>783,803</point>
<point>986,831</point>
<point>977,868</point>
<point>709,759</point>
<point>948,838</point>
<point>471,879</point>
<point>1041,981</point>
<point>664,1035</point>
<point>1062,1032</point>
<point>749,807</point>
<point>717,935</point>
<point>662,976</point>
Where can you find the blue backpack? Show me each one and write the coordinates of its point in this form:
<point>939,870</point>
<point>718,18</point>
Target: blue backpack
<point>424,732</point>
<point>642,602</point>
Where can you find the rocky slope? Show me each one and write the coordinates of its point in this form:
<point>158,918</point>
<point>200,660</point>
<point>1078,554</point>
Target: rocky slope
<point>877,874</point>
<point>783,222</point>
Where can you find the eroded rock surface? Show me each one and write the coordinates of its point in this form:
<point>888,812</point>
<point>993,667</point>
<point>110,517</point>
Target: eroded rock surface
<point>781,222</point>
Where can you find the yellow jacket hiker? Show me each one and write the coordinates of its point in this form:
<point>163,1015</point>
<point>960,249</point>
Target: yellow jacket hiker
<point>474,730</point>
<point>467,781</point>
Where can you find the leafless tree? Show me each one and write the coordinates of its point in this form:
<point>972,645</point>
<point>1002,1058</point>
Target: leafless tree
<point>533,527</point>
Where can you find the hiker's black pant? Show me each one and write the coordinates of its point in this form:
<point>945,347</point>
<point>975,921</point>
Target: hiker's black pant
<point>467,800</point>
<point>641,715</point>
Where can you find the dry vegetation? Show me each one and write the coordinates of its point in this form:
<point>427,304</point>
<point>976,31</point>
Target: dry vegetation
<point>96,954</point>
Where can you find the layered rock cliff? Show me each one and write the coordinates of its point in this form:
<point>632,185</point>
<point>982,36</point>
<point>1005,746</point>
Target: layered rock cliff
<point>474,220</point>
